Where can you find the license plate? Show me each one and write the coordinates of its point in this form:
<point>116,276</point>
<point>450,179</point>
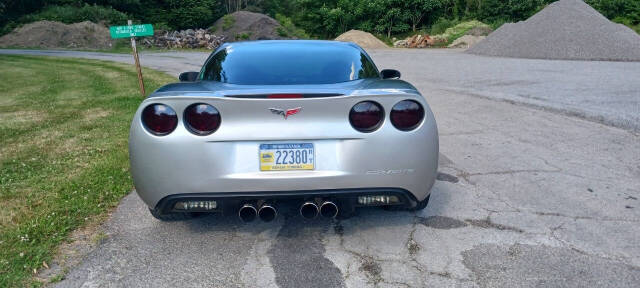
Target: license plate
<point>287,156</point>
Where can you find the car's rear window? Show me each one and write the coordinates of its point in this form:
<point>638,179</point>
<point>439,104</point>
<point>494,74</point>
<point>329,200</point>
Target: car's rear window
<point>288,64</point>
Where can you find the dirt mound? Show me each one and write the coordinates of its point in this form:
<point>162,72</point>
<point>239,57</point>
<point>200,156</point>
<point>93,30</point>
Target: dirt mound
<point>364,39</point>
<point>567,29</point>
<point>51,34</point>
<point>466,41</point>
<point>245,25</point>
<point>479,31</point>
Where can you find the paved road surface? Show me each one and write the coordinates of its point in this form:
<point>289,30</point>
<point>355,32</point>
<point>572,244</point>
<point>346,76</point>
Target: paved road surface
<point>527,196</point>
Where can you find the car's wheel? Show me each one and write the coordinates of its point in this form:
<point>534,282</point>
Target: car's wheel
<point>170,216</point>
<point>421,204</point>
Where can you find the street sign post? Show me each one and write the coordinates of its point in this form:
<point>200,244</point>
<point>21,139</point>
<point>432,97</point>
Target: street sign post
<point>133,31</point>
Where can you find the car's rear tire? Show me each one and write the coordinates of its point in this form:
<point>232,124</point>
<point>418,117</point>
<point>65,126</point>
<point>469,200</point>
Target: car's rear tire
<point>170,216</point>
<point>421,204</point>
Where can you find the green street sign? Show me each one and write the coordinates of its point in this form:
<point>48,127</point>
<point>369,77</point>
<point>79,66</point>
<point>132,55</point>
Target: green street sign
<point>131,31</point>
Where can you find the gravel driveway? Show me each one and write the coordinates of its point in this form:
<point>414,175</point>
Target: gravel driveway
<point>528,194</point>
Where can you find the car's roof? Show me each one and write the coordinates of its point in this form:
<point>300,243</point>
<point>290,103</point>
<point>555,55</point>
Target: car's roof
<point>292,43</point>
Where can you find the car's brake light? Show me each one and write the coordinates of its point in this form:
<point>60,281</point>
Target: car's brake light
<point>159,119</point>
<point>366,116</point>
<point>406,115</point>
<point>202,119</point>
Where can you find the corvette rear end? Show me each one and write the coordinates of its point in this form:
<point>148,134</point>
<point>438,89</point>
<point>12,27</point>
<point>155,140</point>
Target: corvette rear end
<point>244,148</point>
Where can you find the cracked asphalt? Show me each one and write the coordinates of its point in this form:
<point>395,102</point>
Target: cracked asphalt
<point>528,195</point>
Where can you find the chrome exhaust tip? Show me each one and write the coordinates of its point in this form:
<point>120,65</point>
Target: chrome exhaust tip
<point>309,210</point>
<point>247,213</point>
<point>329,209</point>
<point>267,212</point>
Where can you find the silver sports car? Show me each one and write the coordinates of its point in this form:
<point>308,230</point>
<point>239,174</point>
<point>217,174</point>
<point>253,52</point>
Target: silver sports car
<point>263,123</point>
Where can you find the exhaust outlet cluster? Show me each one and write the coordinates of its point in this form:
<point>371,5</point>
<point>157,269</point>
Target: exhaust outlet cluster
<point>267,212</point>
<point>310,210</point>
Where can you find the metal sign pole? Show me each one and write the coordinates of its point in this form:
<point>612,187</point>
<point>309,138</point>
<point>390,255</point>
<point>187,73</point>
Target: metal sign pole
<point>137,60</point>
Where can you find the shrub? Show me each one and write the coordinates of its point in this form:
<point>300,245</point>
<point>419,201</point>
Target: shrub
<point>243,36</point>
<point>161,26</point>
<point>288,28</point>
<point>228,21</point>
<point>185,14</point>
<point>457,31</point>
<point>282,32</point>
<point>72,14</point>
<point>628,22</point>
<point>441,25</point>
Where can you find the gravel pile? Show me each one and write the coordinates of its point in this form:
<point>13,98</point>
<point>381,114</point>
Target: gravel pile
<point>567,29</point>
<point>245,25</point>
<point>51,34</point>
<point>364,39</point>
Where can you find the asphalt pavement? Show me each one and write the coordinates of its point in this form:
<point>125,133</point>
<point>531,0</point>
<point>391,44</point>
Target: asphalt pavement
<point>534,190</point>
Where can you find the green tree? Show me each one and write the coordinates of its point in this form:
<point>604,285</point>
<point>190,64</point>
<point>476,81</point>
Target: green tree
<point>417,9</point>
<point>391,17</point>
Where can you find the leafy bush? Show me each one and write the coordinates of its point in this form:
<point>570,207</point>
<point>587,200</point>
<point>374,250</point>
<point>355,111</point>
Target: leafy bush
<point>288,28</point>
<point>441,25</point>
<point>282,32</point>
<point>228,21</point>
<point>458,30</point>
<point>161,26</point>
<point>497,23</point>
<point>243,36</point>
<point>184,14</point>
<point>627,11</point>
<point>628,22</point>
<point>72,14</point>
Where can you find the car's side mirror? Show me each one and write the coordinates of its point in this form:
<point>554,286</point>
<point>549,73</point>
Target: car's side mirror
<point>188,76</point>
<point>390,74</point>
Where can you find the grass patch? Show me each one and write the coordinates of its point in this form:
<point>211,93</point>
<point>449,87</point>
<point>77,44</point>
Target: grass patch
<point>458,30</point>
<point>63,152</point>
<point>227,22</point>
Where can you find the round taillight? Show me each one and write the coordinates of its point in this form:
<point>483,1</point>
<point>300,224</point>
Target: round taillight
<point>159,119</point>
<point>406,115</point>
<point>202,119</point>
<point>366,116</point>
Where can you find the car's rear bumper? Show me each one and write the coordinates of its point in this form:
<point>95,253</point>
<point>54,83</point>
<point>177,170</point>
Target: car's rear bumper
<point>228,203</point>
<point>163,169</point>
